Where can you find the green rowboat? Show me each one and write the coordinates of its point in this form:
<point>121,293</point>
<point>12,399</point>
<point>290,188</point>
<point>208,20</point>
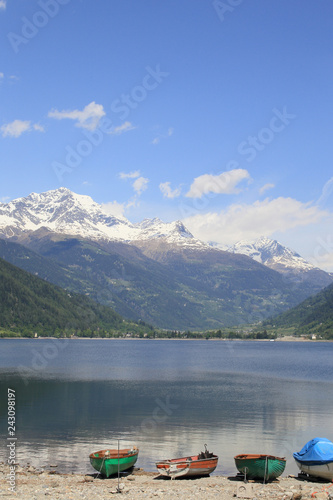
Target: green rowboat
<point>266,467</point>
<point>109,462</point>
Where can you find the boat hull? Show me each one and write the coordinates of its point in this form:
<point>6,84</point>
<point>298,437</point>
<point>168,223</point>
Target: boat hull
<point>187,466</point>
<point>316,458</point>
<point>265,467</point>
<point>325,471</point>
<point>107,463</point>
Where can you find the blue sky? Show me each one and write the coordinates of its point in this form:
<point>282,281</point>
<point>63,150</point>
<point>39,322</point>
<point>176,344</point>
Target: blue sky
<point>217,112</point>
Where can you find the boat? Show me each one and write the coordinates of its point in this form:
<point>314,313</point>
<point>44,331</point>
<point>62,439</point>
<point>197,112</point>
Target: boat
<point>316,458</point>
<point>109,462</point>
<point>202,464</point>
<point>266,467</point>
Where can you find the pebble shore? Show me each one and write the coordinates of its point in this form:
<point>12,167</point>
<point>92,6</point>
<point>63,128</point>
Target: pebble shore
<point>34,484</point>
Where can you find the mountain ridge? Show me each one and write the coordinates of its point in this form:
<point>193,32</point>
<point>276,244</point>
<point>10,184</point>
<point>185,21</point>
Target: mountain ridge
<point>63,211</point>
<point>151,271</point>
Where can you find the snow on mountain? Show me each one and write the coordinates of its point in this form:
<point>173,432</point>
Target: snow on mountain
<point>155,228</point>
<point>272,254</point>
<point>65,212</point>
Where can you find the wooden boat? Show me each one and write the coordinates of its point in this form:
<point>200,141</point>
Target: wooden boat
<point>316,458</point>
<point>202,464</point>
<point>266,467</point>
<point>108,462</point>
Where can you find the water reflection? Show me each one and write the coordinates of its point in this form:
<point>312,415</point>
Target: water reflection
<point>167,403</point>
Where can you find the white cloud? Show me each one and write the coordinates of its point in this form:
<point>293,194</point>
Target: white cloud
<point>224,183</point>
<point>168,192</point>
<point>241,221</point>
<point>114,208</point>
<point>157,139</point>
<point>38,127</point>
<point>4,199</point>
<point>266,187</point>
<point>130,175</point>
<point>88,118</point>
<point>3,4</point>
<point>18,127</point>
<point>2,75</point>
<point>125,127</point>
<point>140,185</point>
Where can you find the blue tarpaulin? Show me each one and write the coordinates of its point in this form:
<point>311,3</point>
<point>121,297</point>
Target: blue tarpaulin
<point>316,451</point>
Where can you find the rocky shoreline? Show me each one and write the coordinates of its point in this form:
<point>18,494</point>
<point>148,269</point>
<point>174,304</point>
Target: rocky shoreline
<point>36,484</point>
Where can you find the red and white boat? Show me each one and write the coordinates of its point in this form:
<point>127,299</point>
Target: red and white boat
<point>196,465</point>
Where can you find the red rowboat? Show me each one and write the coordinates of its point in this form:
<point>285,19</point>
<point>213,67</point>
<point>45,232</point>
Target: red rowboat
<point>197,465</point>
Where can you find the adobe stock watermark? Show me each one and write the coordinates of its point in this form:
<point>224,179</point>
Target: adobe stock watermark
<point>75,155</point>
<point>279,121</point>
<point>127,102</point>
<point>225,7</point>
<point>122,106</point>
<point>249,148</point>
<point>11,440</point>
<point>323,249</point>
<point>31,27</point>
<point>40,360</point>
<point>162,411</point>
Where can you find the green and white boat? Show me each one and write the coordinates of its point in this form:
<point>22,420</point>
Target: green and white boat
<point>110,462</point>
<point>266,467</point>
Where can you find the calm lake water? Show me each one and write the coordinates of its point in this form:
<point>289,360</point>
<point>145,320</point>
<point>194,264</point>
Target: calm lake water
<point>168,397</point>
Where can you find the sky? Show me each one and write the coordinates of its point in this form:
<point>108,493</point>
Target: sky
<point>214,112</point>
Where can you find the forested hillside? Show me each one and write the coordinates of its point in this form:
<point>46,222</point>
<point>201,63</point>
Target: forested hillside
<point>29,304</point>
<point>313,316</point>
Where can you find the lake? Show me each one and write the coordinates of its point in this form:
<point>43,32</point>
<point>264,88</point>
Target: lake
<point>168,397</point>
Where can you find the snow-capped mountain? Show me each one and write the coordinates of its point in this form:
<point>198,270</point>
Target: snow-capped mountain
<point>62,211</point>
<point>282,259</point>
<point>272,254</point>
<point>151,270</point>
<point>65,212</point>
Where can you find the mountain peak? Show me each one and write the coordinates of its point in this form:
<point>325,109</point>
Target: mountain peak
<point>62,211</point>
<point>272,254</point>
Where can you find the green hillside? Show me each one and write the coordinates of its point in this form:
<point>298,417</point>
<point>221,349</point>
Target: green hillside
<point>29,304</point>
<point>313,316</point>
<point>164,285</point>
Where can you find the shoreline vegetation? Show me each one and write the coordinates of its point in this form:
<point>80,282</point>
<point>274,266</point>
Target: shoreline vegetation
<point>230,335</point>
<point>137,484</point>
<point>280,339</point>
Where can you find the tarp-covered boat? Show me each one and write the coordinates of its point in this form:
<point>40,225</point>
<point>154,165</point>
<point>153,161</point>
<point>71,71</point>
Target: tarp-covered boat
<point>266,467</point>
<point>202,464</point>
<point>108,462</point>
<point>316,458</point>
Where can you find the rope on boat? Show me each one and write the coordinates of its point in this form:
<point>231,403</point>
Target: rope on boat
<point>118,489</point>
<point>101,465</point>
<point>266,459</point>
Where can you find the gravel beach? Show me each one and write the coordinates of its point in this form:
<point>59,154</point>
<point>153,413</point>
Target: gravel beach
<point>33,484</point>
